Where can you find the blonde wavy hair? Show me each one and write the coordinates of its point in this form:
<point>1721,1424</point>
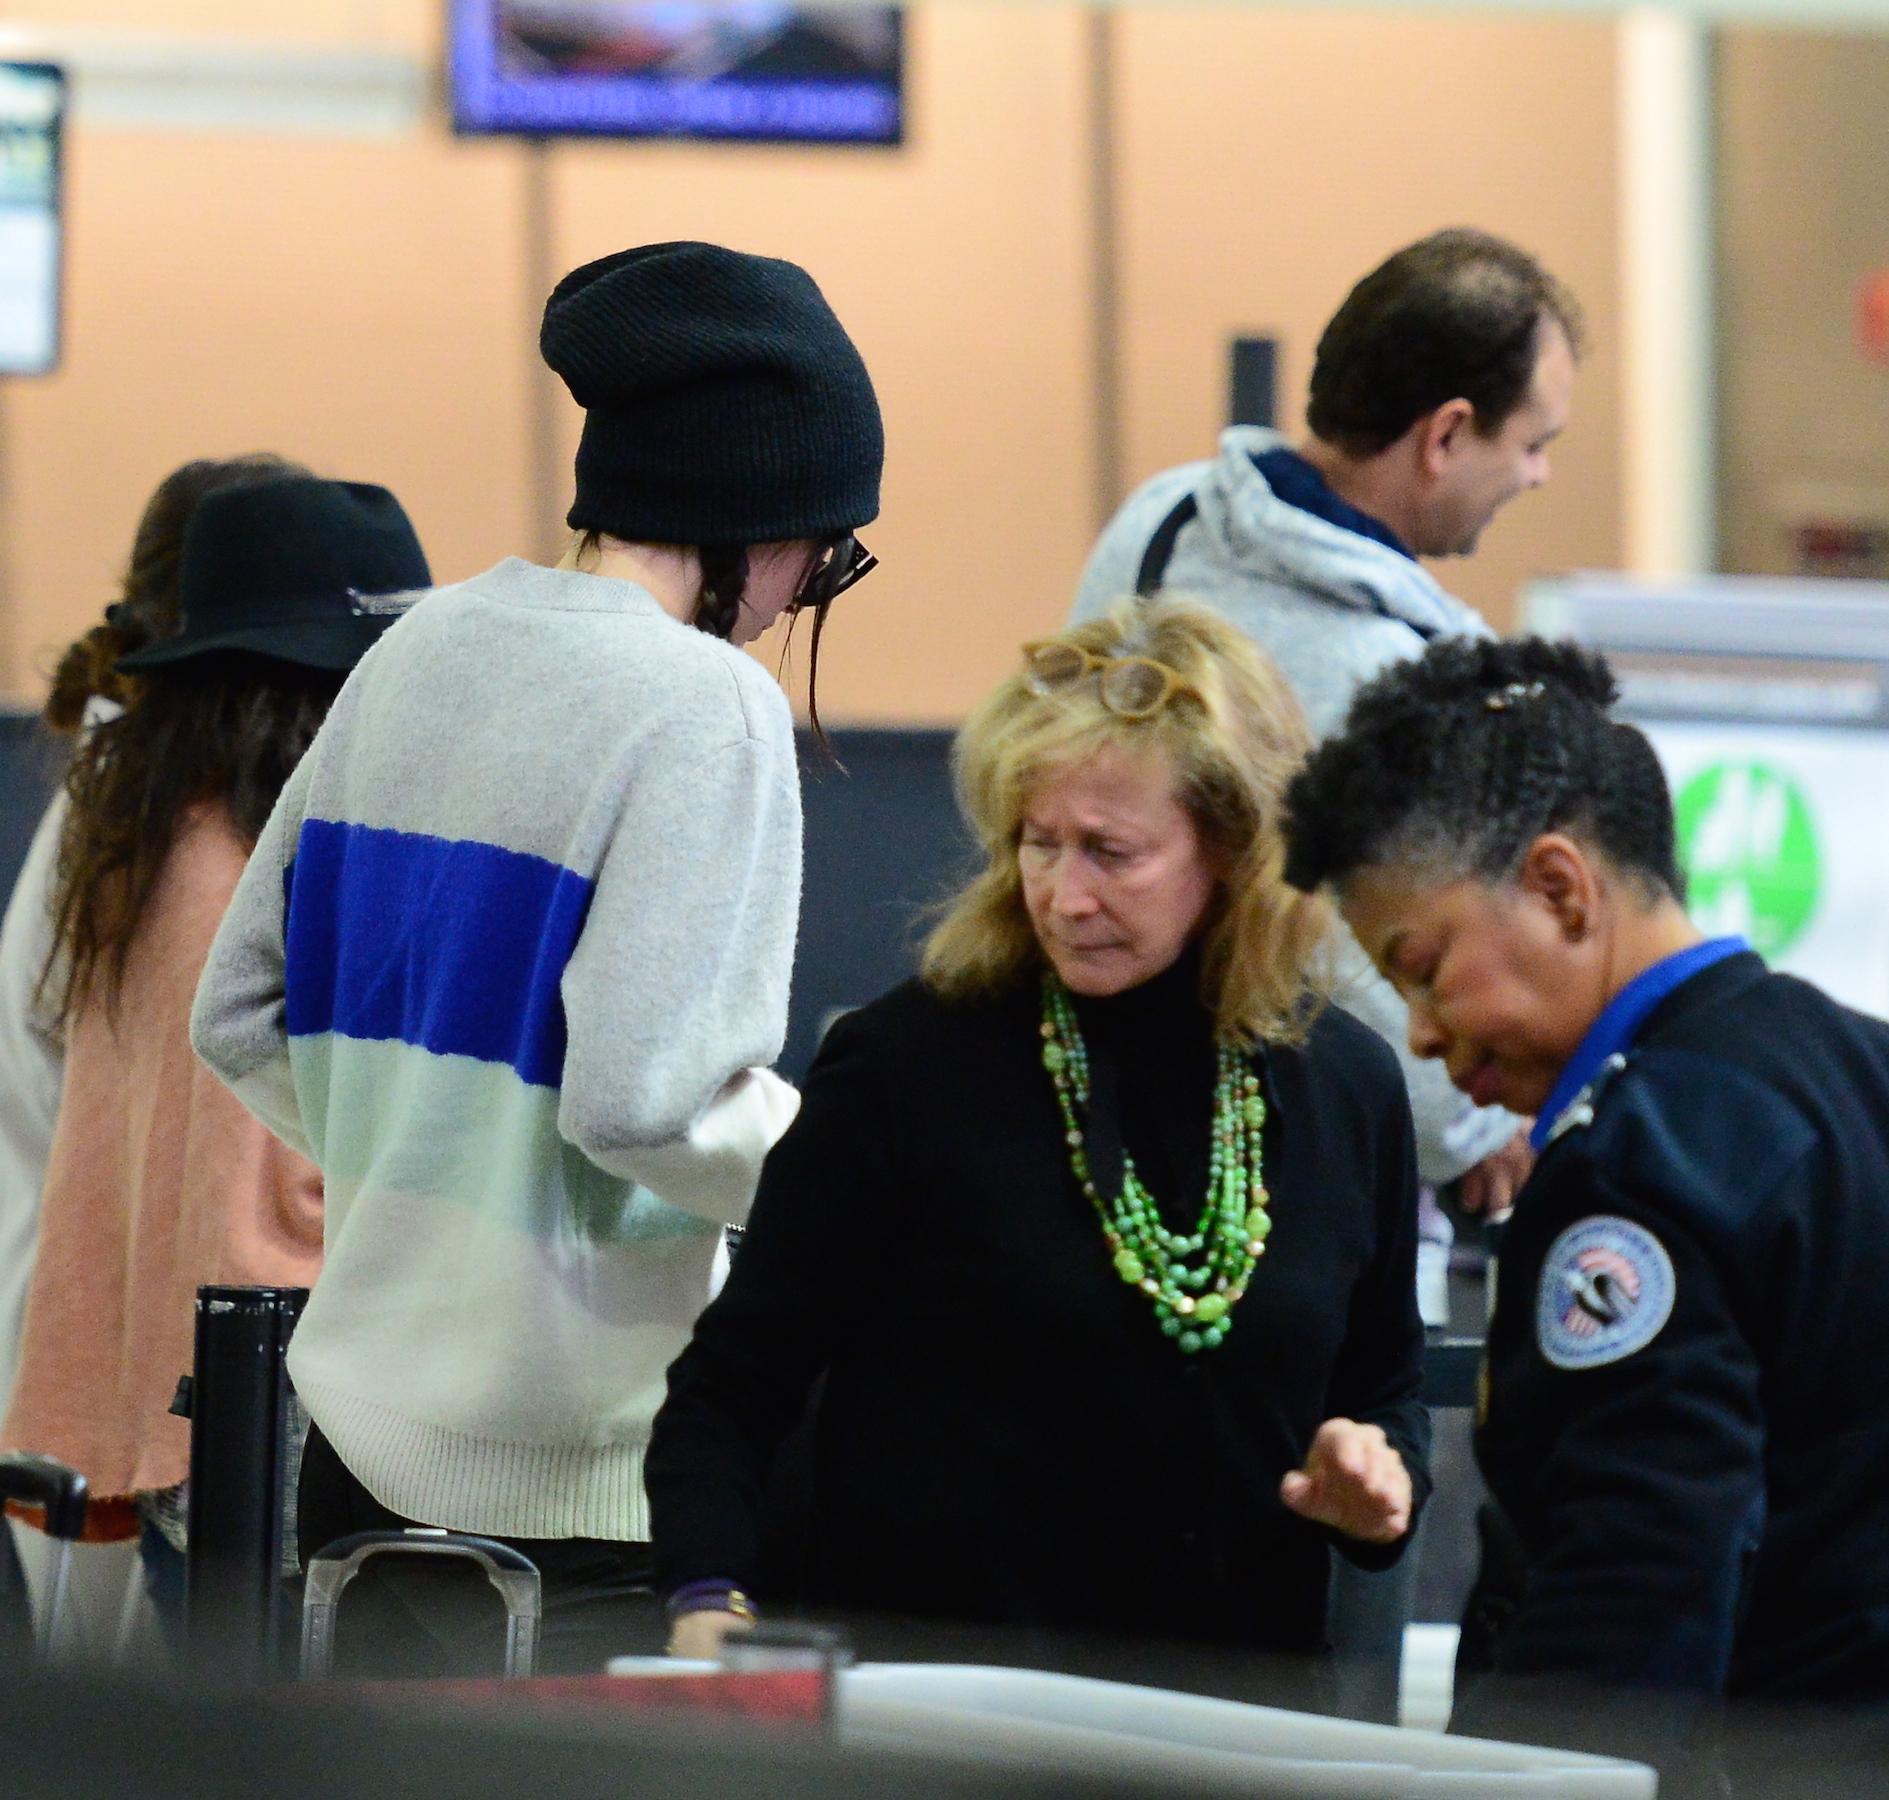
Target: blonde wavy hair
<point>1234,739</point>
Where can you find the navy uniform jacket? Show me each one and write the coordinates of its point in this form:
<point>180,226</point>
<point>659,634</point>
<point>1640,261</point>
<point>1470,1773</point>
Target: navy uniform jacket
<point>1687,1406</point>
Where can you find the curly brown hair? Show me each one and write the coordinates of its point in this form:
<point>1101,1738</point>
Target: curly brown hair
<point>226,729</point>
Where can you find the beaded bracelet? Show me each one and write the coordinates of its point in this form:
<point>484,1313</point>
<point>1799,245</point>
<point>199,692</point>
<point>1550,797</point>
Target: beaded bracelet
<point>709,1596</point>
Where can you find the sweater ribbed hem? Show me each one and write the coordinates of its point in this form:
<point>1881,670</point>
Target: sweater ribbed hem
<point>437,1476</point>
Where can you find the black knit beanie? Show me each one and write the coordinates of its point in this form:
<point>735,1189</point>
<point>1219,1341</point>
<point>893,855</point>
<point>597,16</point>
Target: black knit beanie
<point>723,402</point>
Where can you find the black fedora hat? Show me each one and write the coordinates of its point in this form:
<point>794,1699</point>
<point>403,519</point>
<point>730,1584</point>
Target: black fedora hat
<point>295,568</point>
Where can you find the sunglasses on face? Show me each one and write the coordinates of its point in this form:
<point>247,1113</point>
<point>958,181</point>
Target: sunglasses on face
<point>841,564</point>
<point>1135,687</point>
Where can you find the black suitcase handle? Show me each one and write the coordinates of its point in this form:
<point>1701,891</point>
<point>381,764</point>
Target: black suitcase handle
<point>60,1495</point>
<point>510,1571</point>
<point>59,1492</point>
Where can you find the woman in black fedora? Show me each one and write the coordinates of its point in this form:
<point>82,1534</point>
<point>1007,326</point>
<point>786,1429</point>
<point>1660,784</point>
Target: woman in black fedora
<point>157,1180</point>
<point>85,690</point>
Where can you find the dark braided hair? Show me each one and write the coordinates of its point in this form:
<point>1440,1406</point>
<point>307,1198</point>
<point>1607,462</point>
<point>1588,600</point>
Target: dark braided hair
<point>724,582</point>
<point>1460,759</point>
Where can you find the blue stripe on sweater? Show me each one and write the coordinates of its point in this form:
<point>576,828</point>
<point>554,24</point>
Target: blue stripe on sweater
<point>454,946</point>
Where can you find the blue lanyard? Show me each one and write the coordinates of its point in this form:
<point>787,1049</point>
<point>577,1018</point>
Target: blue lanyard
<point>1620,1021</point>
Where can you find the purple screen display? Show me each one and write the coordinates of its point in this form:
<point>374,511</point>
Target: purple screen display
<point>652,68</point>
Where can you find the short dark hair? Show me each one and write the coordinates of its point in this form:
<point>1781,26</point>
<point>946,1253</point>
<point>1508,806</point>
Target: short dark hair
<point>1455,316</point>
<point>1459,760</point>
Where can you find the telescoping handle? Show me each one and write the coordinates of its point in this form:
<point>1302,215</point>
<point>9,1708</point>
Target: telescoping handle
<point>60,1494</point>
<point>58,1491</point>
<point>510,1571</point>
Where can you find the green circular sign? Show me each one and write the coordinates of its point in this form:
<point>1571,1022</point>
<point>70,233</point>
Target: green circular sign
<point>1749,845</point>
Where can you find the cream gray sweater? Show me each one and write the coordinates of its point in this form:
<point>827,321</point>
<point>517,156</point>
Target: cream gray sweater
<point>509,962</point>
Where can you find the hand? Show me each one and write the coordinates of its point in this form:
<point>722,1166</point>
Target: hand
<point>697,1636</point>
<point>1491,1186</point>
<point>1352,1481</point>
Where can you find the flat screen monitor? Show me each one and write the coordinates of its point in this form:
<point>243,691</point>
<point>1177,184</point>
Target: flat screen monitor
<point>32,113</point>
<point>654,69</point>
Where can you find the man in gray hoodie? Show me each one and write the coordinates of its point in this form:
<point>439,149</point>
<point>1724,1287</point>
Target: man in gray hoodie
<point>1437,388</point>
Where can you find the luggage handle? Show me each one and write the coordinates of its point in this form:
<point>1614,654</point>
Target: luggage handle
<point>60,1494</point>
<point>510,1571</point>
<point>58,1491</point>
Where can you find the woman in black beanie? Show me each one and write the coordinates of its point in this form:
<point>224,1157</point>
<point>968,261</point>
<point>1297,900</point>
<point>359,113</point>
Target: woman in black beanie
<point>731,440</point>
<point>511,960</point>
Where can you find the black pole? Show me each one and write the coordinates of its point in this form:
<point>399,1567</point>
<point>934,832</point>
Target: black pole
<point>242,1440</point>
<point>545,479</point>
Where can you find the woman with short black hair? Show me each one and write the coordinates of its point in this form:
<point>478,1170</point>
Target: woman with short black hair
<point>1683,1426</point>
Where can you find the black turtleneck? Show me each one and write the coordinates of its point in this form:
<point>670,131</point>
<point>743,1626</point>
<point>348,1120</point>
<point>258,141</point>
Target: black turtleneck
<point>1004,1435</point>
<point>1159,1038</point>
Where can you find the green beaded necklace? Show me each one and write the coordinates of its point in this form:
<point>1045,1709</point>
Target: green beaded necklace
<point>1193,1300</point>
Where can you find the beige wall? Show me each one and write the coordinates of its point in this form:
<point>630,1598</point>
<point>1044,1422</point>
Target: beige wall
<point>1803,142</point>
<point>344,303</point>
<point>382,24</point>
<point>365,305</point>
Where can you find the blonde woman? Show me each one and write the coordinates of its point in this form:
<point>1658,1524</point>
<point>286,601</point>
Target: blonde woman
<point>1101,1231</point>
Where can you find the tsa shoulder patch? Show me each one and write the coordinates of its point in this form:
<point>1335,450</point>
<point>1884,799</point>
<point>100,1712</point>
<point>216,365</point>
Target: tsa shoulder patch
<point>1606,1290</point>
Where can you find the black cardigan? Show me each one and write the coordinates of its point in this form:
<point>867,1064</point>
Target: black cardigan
<point>1005,1436</point>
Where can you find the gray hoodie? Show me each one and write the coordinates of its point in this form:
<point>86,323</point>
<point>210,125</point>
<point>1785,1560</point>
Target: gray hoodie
<point>1332,608</point>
